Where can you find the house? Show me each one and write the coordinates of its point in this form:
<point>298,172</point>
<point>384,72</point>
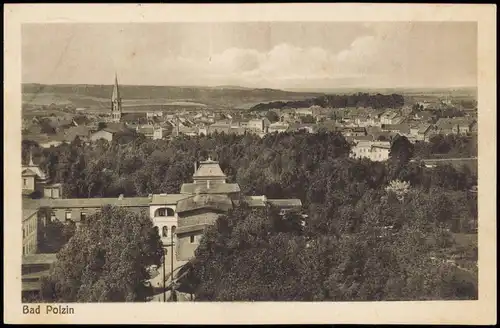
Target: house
<point>455,125</point>
<point>33,179</point>
<point>30,231</point>
<point>44,140</point>
<point>402,129</point>
<point>353,131</point>
<point>229,128</point>
<point>80,131</point>
<point>188,130</point>
<point>50,143</point>
<point>52,190</point>
<point>151,115</point>
<point>260,125</point>
<point>302,127</point>
<point>365,120</point>
<point>33,268</point>
<point>278,127</point>
<point>151,131</point>
<point>102,134</point>
<point>373,150</point>
<point>110,131</point>
<point>424,116</point>
<point>390,117</point>
<point>421,132</point>
<point>304,111</point>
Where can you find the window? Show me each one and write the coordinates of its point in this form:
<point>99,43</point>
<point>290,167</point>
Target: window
<point>173,230</point>
<point>165,212</point>
<point>164,231</point>
<point>68,215</point>
<point>25,182</point>
<point>83,216</point>
<point>191,239</point>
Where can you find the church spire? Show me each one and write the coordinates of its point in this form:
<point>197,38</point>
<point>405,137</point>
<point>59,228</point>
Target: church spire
<point>116,102</point>
<point>116,91</point>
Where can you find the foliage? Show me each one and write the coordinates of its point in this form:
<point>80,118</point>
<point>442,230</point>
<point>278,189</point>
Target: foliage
<point>255,255</point>
<point>359,242</point>
<point>447,146</point>
<point>272,116</point>
<point>307,119</point>
<point>375,101</point>
<point>106,260</point>
<point>399,188</point>
<point>54,235</point>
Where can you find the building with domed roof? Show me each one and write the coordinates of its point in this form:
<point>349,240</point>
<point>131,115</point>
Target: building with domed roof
<point>181,218</point>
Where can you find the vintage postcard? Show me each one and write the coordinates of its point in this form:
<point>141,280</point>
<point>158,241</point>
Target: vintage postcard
<point>252,163</point>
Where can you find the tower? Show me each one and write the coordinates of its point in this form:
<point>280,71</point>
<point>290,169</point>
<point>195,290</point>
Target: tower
<point>116,102</point>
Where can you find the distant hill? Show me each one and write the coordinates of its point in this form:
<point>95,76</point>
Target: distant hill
<point>451,91</point>
<point>98,96</point>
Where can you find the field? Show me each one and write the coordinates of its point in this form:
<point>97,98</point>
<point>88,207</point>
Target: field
<point>97,97</point>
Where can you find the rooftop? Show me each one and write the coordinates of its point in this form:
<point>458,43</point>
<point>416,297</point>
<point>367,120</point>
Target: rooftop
<point>33,169</point>
<point>291,202</point>
<point>27,213</point>
<point>169,199</point>
<point>255,201</point>
<point>44,258</point>
<point>215,188</point>
<point>209,168</point>
<point>93,202</point>
<point>31,286</point>
<point>197,227</point>
<point>214,202</point>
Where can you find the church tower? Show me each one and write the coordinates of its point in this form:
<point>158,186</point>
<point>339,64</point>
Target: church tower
<point>116,102</point>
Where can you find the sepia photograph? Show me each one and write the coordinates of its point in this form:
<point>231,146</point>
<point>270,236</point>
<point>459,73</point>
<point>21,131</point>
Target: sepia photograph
<point>248,161</point>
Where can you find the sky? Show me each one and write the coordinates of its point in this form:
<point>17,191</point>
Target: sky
<point>283,55</point>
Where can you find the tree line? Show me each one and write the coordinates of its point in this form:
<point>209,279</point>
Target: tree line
<point>374,231</point>
<point>375,101</point>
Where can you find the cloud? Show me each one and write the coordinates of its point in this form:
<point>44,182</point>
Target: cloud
<point>397,54</point>
<point>367,56</point>
<point>284,62</point>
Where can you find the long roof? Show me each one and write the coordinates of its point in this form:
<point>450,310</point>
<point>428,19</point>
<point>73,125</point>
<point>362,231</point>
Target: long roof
<point>209,168</point>
<point>31,286</point>
<point>168,199</point>
<point>214,202</point>
<point>43,258</point>
<point>255,201</point>
<point>93,202</point>
<point>215,188</point>
<point>292,202</point>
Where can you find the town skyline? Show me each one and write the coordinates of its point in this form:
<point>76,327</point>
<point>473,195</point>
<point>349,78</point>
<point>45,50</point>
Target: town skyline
<point>277,55</point>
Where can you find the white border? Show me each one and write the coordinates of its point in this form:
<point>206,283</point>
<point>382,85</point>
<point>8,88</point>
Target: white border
<point>482,311</point>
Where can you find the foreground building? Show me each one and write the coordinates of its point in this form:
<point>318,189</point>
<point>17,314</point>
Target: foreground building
<point>180,218</point>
